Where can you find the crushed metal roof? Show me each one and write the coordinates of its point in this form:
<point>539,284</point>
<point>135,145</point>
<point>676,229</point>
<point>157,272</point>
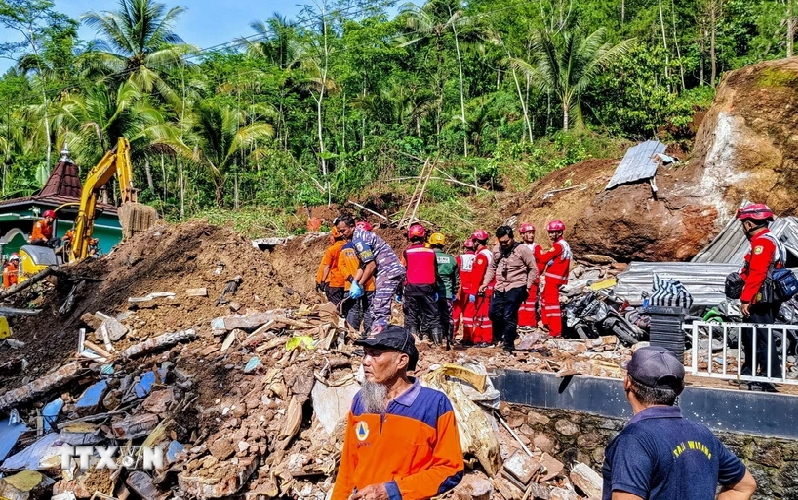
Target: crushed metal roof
<point>731,245</point>
<point>639,162</point>
<point>705,281</point>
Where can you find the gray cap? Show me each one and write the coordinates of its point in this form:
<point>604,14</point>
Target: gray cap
<point>656,367</point>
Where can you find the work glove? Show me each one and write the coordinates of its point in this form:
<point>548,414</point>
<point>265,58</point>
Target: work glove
<point>320,287</point>
<point>398,298</point>
<point>472,298</point>
<point>355,291</point>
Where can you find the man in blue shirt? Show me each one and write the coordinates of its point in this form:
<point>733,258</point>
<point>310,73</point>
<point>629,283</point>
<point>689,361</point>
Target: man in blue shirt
<point>661,455</point>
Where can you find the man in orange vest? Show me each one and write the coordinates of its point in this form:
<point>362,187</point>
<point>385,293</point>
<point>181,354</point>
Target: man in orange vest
<point>419,297</point>
<point>328,277</point>
<point>354,310</point>
<point>42,233</point>
<point>11,271</point>
<point>557,266</point>
<point>528,312</point>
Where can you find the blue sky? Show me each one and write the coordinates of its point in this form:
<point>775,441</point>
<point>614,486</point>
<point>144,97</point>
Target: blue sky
<point>205,22</point>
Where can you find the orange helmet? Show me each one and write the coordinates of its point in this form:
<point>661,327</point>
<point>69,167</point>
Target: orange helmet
<point>555,225</point>
<point>526,227</point>
<point>757,211</point>
<point>416,231</point>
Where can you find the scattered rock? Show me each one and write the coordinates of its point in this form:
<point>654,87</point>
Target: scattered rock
<point>521,466</point>
<point>562,494</point>
<point>26,485</point>
<point>551,466</point>
<point>474,486</point>
<point>566,427</point>
<point>135,426</point>
<point>587,480</point>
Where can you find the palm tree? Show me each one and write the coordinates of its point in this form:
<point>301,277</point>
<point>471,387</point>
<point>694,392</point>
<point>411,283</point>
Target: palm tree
<point>139,42</point>
<point>276,41</point>
<point>566,64</point>
<point>221,135</point>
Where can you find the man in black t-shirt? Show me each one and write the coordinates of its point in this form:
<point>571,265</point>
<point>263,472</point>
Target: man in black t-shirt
<point>660,454</point>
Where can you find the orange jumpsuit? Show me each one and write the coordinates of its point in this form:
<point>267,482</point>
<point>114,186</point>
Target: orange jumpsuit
<point>42,232</point>
<point>10,275</point>
<point>558,265</point>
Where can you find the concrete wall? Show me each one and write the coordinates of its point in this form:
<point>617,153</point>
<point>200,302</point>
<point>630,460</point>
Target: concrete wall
<point>573,437</point>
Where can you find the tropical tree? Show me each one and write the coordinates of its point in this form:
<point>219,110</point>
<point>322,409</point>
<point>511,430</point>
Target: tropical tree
<point>138,44</point>
<point>275,40</point>
<point>567,62</point>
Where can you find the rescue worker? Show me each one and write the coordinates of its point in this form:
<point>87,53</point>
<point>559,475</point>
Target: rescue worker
<point>11,271</point>
<point>94,248</point>
<point>448,284</point>
<point>328,276</point>
<point>557,262</point>
<point>401,439</point>
<point>354,310</point>
<point>482,333</point>
<point>379,261</point>
<point>514,270</point>
<point>462,308</point>
<point>42,233</point>
<point>419,296</point>
<point>766,252</point>
<point>528,312</point>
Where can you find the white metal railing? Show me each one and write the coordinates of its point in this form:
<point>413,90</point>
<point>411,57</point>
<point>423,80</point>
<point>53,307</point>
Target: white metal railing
<point>705,332</point>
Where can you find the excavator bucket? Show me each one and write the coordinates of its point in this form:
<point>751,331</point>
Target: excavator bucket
<point>136,218</point>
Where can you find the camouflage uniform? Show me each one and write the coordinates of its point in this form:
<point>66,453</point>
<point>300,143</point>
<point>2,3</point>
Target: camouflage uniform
<point>389,274</point>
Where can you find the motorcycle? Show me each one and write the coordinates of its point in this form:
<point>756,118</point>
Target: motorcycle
<point>592,317</point>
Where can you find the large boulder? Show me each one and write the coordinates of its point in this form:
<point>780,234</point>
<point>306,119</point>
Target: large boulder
<point>746,148</point>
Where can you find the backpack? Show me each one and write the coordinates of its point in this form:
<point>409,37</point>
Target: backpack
<point>781,283</point>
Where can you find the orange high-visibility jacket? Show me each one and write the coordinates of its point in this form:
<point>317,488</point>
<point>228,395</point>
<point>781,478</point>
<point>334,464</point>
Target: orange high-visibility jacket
<point>414,448</point>
<point>348,264</point>
<point>41,231</point>
<point>334,278</point>
<point>10,275</point>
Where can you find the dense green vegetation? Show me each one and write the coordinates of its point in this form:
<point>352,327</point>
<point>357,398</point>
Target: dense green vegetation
<point>311,110</point>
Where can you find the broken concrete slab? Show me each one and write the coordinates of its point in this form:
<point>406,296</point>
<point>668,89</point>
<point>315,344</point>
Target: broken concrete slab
<point>331,404</point>
<point>159,401</point>
<point>214,487</point>
<point>81,434</point>
<point>41,385</point>
<point>142,484</point>
<point>25,485</point>
<point>42,455</point>
<point>587,480</point>
<point>474,486</point>
<point>111,326</point>
<point>197,292</point>
<point>135,426</point>
<point>247,321</point>
<point>522,466</point>
<point>563,494</point>
<point>91,399</point>
<point>552,467</point>
<point>153,344</point>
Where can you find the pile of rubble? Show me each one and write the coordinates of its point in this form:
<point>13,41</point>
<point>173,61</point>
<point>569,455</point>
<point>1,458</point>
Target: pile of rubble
<point>173,342</point>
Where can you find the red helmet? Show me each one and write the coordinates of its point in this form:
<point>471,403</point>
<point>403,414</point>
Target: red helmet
<point>14,256</point>
<point>555,225</point>
<point>416,230</point>
<point>469,244</point>
<point>480,235</point>
<point>758,211</point>
<point>526,227</point>
<point>364,225</point>
<point>49,213</point>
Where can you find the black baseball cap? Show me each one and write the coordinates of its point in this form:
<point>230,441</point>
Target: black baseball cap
<point>394,338</point>
<point>656,367</point>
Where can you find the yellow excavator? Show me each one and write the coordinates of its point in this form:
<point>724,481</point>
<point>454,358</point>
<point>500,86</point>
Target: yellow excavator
<point>133,216</point>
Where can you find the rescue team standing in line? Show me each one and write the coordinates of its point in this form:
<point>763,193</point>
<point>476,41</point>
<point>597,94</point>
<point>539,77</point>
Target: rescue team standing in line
<point>490,292</point>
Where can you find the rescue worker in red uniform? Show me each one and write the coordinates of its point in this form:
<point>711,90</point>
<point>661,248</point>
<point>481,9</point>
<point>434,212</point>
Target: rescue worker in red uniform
<point>463,309</point>
<point>482,333</point>
<point>42,233</point>
<point>528,312</point>
<point>557,262</point>
<point>419,296</point>
<point>11,271</point>
<point>766,252</point>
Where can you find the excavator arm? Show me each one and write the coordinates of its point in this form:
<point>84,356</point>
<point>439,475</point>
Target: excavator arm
<point>117,161</point>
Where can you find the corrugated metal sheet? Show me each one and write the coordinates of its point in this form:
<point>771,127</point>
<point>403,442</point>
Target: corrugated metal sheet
<point>705,281</point>
<point>731,245</point>
<point>638,163</point>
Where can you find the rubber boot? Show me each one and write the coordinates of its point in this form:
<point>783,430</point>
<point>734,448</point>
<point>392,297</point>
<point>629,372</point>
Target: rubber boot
<point>437,337</point>
<point>416,333</point>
